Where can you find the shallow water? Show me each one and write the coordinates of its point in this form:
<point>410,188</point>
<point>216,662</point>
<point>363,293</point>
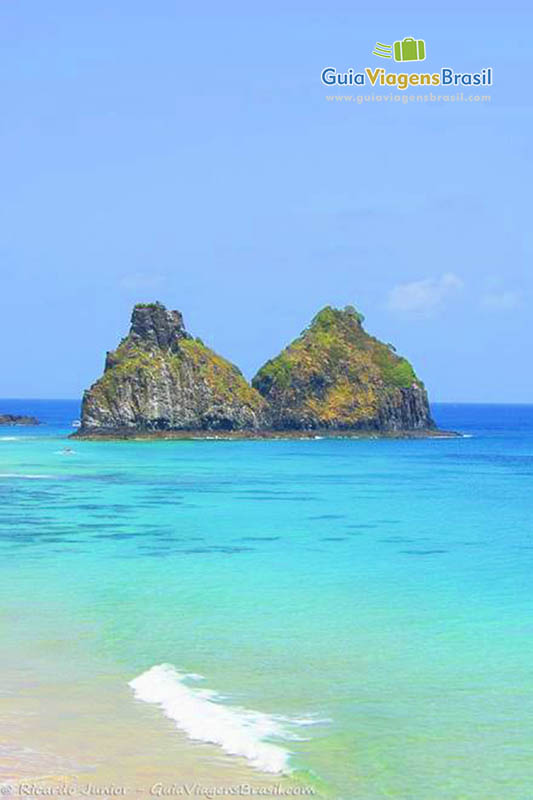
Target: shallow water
<point>360,610</point>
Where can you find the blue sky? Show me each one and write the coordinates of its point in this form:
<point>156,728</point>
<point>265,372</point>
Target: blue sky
<point>160,151</point>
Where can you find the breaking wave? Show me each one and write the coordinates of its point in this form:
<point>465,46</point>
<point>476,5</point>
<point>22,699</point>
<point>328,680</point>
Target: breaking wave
<point>202,716</point>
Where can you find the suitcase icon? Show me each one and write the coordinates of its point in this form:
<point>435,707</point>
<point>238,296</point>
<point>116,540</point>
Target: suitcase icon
<point>409,49</point>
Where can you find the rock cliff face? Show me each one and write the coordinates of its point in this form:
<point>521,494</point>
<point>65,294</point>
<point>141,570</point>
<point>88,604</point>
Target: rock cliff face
<point>161,379</point>
<point>337,377</point>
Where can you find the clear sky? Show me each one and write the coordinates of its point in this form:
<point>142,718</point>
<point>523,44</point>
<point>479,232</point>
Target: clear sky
<point>187,153</point>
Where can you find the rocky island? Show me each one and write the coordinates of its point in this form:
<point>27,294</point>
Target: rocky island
<point>335,379</point>
<point>18,419</point>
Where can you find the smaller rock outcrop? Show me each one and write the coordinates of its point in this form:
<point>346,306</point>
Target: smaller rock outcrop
<point>18,419</point>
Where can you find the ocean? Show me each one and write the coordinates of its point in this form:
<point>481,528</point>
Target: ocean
<point>345,618</point>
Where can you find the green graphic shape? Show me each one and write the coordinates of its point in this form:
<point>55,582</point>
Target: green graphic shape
<point>382,50</point>
<point>410,49</point>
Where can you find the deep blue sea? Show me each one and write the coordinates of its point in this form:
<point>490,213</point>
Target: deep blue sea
<point>356,614</point>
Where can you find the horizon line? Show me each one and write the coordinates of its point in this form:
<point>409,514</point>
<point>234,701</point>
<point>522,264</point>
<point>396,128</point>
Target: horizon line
<point>431,402</point>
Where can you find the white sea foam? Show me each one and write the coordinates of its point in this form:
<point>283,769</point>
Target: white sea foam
<point>25,477</point>
<point>203,717</point>
<point>10,438</point>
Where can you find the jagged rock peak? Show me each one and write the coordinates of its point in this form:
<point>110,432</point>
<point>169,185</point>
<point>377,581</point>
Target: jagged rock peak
<point>154,325</point>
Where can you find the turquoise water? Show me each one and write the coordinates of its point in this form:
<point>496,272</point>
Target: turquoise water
<point>371,599</point>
